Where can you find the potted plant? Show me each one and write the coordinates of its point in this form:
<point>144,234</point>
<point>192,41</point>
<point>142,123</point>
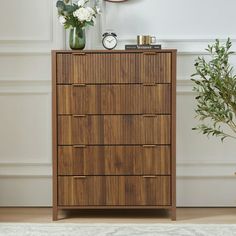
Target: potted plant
<point>76,17</point>
<point>216,92</point>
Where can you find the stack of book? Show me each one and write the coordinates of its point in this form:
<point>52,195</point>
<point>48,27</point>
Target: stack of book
<point>144,47</point>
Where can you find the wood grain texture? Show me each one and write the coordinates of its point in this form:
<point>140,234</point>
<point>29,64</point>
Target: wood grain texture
<point>104,68</point>
<point>92,51</point>
<point>114,190</point>
<point>54,136</point>
<point>114,160</point>
<point>109,68</point>
<point>114,99</point>
<point>64,68</point>
<point>155,67</point>
<point>113,207</point>
<point>173,136</point>
<point>117,214</point>
<point>65,99</point>
<point>114,129</point>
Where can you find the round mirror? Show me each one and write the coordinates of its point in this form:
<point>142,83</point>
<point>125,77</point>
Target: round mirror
<point>116,1</point>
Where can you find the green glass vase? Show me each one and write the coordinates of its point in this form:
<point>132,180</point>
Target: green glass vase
<point>77,38</point>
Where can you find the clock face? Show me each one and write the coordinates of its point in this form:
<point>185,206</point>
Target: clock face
<point>109,42</point>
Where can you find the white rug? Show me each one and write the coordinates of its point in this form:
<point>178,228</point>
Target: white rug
<point>69,229</point>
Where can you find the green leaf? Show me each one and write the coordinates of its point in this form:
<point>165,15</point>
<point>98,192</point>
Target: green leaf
<point>60,5</point>
<point>69,9</point>
<point>216,91</point>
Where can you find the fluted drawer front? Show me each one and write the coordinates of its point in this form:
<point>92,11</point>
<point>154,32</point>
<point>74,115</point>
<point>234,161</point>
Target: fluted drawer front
<point>103,68</point>
<point>114,99</point>
<point>109,68</point>
<point>64,68</point>
<point>155,67</point>
<point>114,190</point>
<point>114,160</point>
<point>114,129</point>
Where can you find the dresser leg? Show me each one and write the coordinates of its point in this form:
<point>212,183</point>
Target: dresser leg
<point>173,214</point>
<point>54,214</point>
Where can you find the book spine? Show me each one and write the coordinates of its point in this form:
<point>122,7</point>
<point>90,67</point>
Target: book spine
<point>130,47</point>
<point>137,47</point>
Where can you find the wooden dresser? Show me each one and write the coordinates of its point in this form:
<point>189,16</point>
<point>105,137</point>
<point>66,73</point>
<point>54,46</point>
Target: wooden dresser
<point>114,122</point>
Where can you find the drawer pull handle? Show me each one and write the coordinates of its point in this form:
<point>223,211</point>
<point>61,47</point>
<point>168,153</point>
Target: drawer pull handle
<point>78,85</point>
<point>149,84</point>
<point>78,54</point>
<point>149,146</point>
<point>149,115</point>
<point>149,53</point>
<point>77,116</point>
<point>79,177</point>
<point>79,146</point>
<point>149,176</point>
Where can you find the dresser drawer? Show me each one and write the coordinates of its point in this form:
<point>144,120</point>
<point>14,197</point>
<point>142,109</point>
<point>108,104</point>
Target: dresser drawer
<point>114,129</point>
<point>64,68</point>
<point>104,68</point>
<point>114,160</point>
<point>114,68</point>
<point>114,99</point>
<point>114,191</point>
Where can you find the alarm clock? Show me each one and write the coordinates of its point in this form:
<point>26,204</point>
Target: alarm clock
<point>109,40</point>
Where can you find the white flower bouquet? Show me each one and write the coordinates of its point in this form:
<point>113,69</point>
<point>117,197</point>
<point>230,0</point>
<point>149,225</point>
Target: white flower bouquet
<point>72,15</point>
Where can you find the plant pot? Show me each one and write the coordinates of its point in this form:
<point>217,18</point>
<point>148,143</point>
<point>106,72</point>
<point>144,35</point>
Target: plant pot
<point>77,38</point>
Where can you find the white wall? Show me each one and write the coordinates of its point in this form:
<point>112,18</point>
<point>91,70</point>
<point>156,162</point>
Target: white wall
<point>205,167</point>
<point>28,31</point>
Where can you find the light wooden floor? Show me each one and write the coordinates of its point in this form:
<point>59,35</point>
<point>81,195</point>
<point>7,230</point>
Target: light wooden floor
<point>184,215</point>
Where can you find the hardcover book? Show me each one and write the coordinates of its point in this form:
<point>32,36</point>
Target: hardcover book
<point>144,47</point>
